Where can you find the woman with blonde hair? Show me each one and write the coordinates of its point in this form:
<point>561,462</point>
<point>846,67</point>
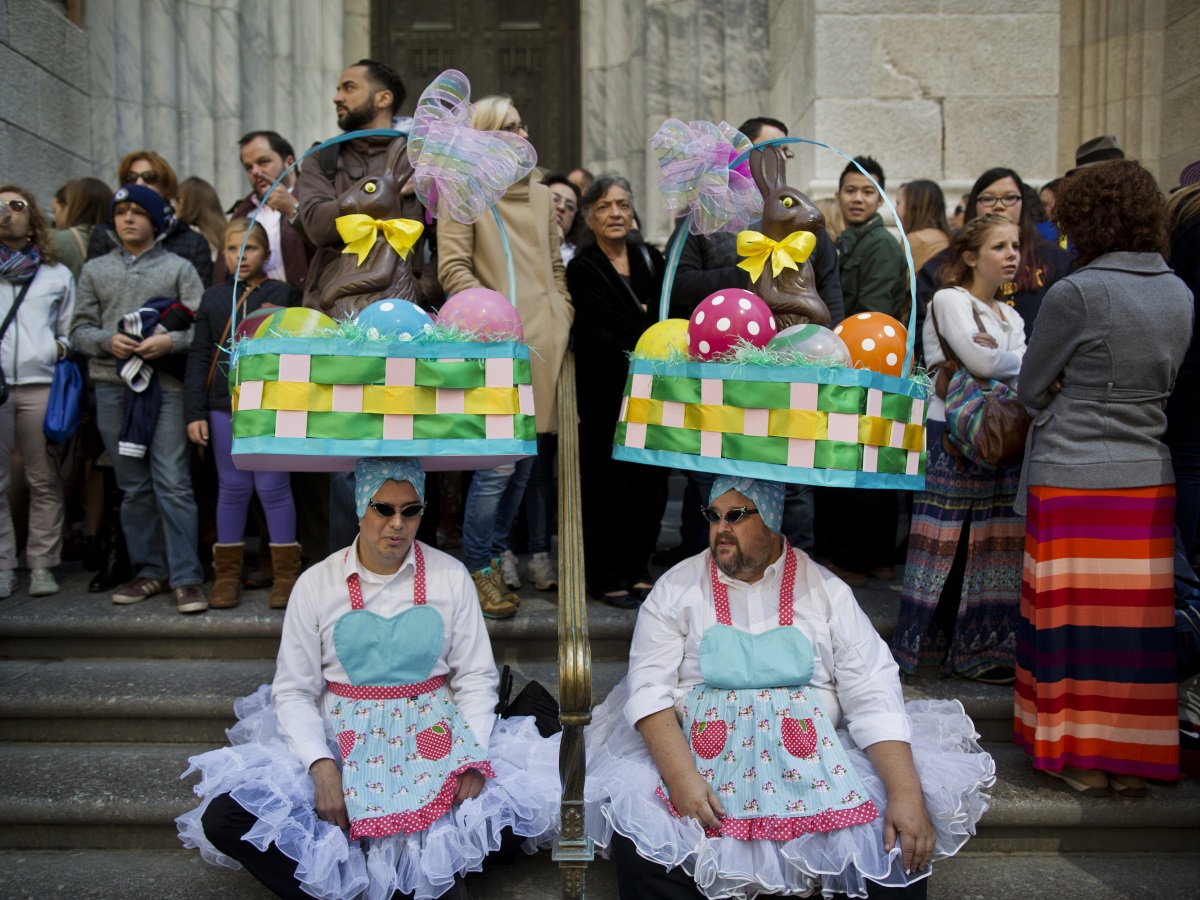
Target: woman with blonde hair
<point>200,207</point>
<point>473,256</point>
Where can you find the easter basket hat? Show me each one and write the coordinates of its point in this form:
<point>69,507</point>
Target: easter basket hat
<point>804,424</point>
<point>319,399</point>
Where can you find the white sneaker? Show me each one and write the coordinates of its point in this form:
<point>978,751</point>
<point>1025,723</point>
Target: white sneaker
<point>42,583</point>
<point>544,572</point>
<point>508,570</point>
<point>8,583</point>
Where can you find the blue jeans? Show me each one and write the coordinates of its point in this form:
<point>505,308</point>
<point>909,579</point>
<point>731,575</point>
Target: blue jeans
<point>158,513</point>
<point>490,510</point>
<point>540,497</point>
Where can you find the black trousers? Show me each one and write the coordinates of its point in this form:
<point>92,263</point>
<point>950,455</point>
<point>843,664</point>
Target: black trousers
<point>225,821</point>
<point>640,879</point>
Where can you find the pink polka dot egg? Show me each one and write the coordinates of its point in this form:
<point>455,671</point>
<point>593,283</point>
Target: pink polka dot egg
<point>726,317</point>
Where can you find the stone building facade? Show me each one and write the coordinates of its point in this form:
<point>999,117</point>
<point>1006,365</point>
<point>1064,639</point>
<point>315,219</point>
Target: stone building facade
<point>939,89</point>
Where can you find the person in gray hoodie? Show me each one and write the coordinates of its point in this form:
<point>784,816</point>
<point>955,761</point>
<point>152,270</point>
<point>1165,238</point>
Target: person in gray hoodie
<point>158,512</point>
<point>1097,607</point>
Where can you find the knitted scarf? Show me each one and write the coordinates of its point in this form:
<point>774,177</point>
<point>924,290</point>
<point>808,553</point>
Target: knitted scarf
<point>18,266</point>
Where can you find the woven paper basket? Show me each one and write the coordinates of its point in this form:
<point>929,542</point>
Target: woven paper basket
<point>839,427</point>
<point>319,404</point>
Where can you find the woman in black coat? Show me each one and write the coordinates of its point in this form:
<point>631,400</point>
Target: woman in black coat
<point>615,280</point>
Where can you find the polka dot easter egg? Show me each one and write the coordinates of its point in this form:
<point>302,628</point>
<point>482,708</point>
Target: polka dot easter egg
<point>398,319</point>
<point>726,317</point>
<point>875,340</point>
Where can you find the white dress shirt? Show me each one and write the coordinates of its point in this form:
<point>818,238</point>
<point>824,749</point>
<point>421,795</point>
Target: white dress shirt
<point>270,218</point>
<point>307,658</point>
<point>853,669</point>
<point>957,325</point>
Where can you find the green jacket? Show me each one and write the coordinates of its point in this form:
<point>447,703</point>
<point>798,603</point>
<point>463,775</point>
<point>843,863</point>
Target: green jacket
<point>873,269</point>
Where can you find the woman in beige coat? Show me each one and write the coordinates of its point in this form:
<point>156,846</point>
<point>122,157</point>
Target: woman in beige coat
<point>473,256</point>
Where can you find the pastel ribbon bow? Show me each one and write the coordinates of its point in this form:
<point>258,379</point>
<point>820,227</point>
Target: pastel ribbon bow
<point>359,232</point>
<point>786,254</point>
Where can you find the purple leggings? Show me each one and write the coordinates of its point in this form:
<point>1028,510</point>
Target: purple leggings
<point>235,488</point>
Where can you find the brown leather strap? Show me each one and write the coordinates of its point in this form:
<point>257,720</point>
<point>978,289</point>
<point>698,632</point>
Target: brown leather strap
<point>241,310</point>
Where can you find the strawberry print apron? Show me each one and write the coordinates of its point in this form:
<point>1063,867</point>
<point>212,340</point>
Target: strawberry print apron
<point>759,737</point>
<point>403,742</point>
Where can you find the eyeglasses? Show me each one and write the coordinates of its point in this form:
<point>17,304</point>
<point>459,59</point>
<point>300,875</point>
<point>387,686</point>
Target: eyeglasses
<point>145,176</point>
<point>564,203</point>
<point>787,154</point>
<point>514,127</point>
<point>15,205</point>
<point>732,516</point>
<point>1006,201</point>
<point>411,511</point>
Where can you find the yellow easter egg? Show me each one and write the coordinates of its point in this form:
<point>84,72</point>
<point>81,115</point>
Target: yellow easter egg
<point>294,322</point>
<point>658,340</point>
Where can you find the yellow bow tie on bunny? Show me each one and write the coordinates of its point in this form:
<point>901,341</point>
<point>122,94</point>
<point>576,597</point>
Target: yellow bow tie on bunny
<point>786,254</point>
<point>359,232</point>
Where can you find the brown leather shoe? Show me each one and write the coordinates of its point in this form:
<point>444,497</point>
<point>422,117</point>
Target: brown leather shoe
<point>137,590</point>
<point>189,598</point>
<point>491,600</point>
<point>852,579</point>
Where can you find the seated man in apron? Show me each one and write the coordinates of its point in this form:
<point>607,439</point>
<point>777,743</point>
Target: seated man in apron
<point>760,743</point>
<point>368,764</point>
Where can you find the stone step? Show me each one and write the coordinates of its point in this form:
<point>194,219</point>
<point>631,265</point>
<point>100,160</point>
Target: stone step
<point>117,796</point>
<point>182,875</point>
<point>113,700</point>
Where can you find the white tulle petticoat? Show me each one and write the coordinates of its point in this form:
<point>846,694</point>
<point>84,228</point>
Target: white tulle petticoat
<point>270,782</point>
<point>620,794</point>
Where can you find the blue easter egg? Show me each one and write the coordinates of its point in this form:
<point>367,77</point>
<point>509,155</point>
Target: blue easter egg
<point>397,319</point>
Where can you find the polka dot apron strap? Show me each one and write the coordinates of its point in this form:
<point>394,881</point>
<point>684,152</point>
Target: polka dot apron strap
<point>355,586</point>
<point>787,588</point>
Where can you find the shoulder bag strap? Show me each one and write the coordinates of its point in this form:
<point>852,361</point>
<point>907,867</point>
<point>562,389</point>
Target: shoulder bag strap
<point>74,231</point>
<point>12,310</point>
<point>241,310</point>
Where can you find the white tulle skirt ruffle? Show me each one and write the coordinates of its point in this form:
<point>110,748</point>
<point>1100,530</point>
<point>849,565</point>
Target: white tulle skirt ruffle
<point>622,778</point>
<point>270,782</point>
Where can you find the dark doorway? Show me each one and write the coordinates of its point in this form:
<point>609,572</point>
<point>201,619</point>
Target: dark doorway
<point>528,49</point>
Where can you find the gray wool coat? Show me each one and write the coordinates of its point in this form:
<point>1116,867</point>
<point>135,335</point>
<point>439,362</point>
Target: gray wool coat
<point>1115,331</point>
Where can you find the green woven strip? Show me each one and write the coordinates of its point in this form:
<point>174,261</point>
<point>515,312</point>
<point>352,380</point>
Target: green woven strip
<point>521,372</point>
<point>755,449</point>
<point>673,387</point>
<point>628,385</point>
<point>674,440</point>
<point>456,426</point>
<point>897,407</point>
<point>525,428</point>
<point>468,374</point>
<point>837,455</point>
<point>254,423</point>
<point>260,367</point>
<point>840,398</point>
<point>347,370</point>
<point>619,435</point>
<point>758,394</point>
<point>359,426</point>
<point>893,460</point>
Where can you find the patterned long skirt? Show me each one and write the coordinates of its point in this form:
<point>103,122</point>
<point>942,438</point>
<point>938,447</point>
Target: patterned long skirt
<point>960,494</point>
<point>1096,685</point>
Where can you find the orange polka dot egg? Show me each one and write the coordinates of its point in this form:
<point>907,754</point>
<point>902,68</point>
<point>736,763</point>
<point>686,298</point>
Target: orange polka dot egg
<point>725,318</point>
<point>875,340</point>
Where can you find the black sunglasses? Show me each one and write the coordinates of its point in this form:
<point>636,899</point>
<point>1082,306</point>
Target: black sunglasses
<point>17,205</point>
<point>732,516</point>
<point>411,511</point>
<point>146,176</point>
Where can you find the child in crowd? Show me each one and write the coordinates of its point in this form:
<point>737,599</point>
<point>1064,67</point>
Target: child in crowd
<point>158,511</point>
<point>210,419</point>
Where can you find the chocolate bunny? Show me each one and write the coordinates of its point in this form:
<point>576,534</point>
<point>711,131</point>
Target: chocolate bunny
<point>792,295</point>
<point>383,274</point>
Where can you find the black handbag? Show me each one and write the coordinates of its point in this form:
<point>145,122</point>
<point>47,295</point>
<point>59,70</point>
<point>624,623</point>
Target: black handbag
<point>12,313</point>
<point>534,700</point>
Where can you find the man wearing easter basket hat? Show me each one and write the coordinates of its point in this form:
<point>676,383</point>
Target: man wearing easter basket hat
<point>367,766</point>
<point>760,741</point>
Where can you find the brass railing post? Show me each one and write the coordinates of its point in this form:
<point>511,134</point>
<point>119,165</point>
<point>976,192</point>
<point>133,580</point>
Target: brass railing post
<point>573,849</point>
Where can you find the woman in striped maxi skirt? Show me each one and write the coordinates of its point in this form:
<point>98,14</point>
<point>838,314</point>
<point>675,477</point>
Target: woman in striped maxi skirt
<point>1095,701</point>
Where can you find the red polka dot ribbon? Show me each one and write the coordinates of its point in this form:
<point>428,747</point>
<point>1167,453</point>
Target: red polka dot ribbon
<point>787,590</point>
<point>355,585</point>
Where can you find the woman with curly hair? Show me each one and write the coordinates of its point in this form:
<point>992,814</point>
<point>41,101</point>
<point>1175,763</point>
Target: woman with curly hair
<point>1095,699</point>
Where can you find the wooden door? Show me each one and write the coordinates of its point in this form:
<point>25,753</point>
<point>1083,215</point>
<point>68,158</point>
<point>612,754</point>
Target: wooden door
<point>528,49</point>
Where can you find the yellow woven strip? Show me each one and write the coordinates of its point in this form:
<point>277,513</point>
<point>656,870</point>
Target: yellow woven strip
<point>296,395</point>
<point>804,424</point>
<point>710,417</point>
<point>874,430</point>
<point>399,400</point>
<point>644,411</point>
<point>914,437</point>
<point>492,401</point>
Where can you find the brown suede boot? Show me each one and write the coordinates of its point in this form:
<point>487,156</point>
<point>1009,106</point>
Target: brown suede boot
<point>227,576</point>
<point>285,559</point>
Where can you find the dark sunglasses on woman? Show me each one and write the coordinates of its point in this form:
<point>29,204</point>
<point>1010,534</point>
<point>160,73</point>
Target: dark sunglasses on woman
<point>146,176</point>
<point>732,516</point>
<point>387,510</point>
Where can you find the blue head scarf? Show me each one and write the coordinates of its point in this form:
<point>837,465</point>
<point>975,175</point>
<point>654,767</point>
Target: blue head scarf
<point>370,474</point>
<point>767,496</point>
